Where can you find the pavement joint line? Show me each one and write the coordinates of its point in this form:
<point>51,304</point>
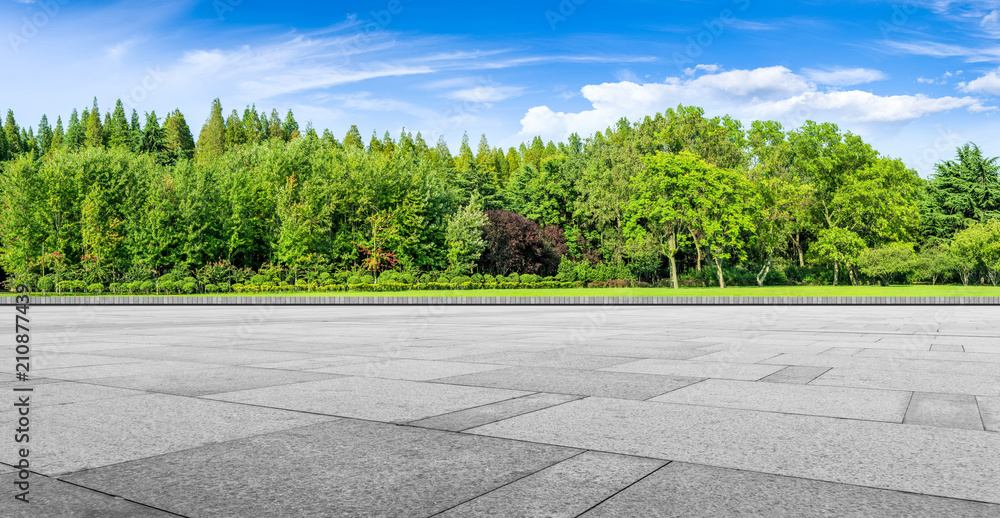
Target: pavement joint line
<point>908,403</point>
<point>581,452</point>
<point>677,388</point>
<point>979,408</point>
<point>616,493</point>
<point>121,497</point>
<point>408,423</point>
<point>772,412</point>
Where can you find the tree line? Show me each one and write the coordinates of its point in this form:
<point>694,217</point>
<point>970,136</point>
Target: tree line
<point>676,198</point>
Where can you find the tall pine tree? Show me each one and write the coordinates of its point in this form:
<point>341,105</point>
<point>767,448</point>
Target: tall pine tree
<point>212,139</point>
<point>177,133</point>
<point>95,130</point>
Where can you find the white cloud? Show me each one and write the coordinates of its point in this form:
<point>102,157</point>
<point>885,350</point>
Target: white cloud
<point>486,93</point>
<point>844,76</point>
<point>772,93</point>
<point>711,69</point>
<point>988,84</point>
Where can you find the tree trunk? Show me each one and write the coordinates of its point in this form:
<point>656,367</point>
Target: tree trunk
<point>697,246</point>
<point>797,239</point>
<point>762,275</point>
<point>672,243</point>
<point>718,267</point>
<point>836,271</point>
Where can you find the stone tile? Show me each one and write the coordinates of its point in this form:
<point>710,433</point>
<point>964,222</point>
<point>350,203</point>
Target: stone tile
<point>480,415</point>
<point>989,410</point>
<point>944,410</point>
<point>201,383</point>
<point>910,380</point>
<point>684,490</point>
<point>43,362</point>
<point>49,497</point>
<point>98,433</point>
<point>846,403</point>
<point>889,364</point>
<point>739,371</point>
<point>954,348</point>
<point>744,355</point>
<point>936,461</point>
<point>415,370</point>
<point>844,351</point>
<point>572,381</point>
<point>61,393</point>
<point>561,491</point>
<point>342,468</point>
<point>561,358</point>
<point>797,374</point>
<point>371,398</point>
<point>222,355</point>
<point>624,351</point>
<point>139,368</point>
<point>315,363</point>
<point>932,355</point>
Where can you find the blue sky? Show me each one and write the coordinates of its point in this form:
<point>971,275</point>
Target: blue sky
<point>916,79</point>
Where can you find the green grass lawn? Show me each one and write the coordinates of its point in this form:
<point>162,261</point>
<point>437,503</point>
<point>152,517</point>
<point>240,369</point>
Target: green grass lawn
<point>770,291</point>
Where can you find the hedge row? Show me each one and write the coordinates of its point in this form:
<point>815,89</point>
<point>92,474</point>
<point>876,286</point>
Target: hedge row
<point>178,288</point>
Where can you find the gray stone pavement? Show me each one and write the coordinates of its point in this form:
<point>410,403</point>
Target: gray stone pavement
<point>510,411</point>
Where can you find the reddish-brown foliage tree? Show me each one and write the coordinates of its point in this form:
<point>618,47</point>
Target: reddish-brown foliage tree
<point>517,244</point>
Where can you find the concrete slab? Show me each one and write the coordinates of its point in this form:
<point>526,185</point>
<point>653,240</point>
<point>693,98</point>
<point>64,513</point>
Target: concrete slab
<point>485,414</point>
<point>221,355</point>
<point>989,410</point>
<point>371,398</point>
<point>199,383</point>
<point>42,362</point>
<point>684,490</point>
<point>625,351</point>
<point>938,366</point>
<point>745,355</point>
<point>315,363</point>
<point>61,393</point>
<point>910,380</point>
<point>572,381</point>
<point>90,434</point>
<point>944,410</point>
<point>737,371</point>
<point>342,468</point>
<point>49,497</point>
<point>561,358</point>
<point>936,461</point>
<point>138,368</point>
<point>561,491</point>
<point>845,403</point>
<point>415,370</point>
<point>796,374</point>
<point>932,355</point>
<point>844,351</point>
<point>955,348</point>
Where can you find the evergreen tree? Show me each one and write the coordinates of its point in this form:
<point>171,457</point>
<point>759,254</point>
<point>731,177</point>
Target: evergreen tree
<point>290,128</point>
<point>212,139</point>
<point>331,140</point>
<point>75,131</point>
<point>4,147</point>
<point>311,131</point>
<point>353,139</point>
<point>177,133</point>
<point>45,135</point>
<point>95,131</point>
<point>13,134</point>
<point>254,128</point>
<point>374,145</point>
<point>961,193</point>
<point>135,132</point>
<point>236,132</point>
<point>153,136</point>
<point>58,136</point>
<point>388,146</point>
<point>118,128</point>
<point>274,126</point>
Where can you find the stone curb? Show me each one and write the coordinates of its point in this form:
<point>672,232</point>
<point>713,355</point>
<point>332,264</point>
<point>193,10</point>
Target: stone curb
<point>488,301</point>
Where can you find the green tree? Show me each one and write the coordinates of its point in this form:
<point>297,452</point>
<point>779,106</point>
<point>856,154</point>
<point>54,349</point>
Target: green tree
<point>889,263</point>
<point>465,237</point>
<point>45,135</point>
<point>179,141</point>
<point>960,193</point>
<point>352,140</point>
<point>978,246</point>
<point>13,134</point>
<point>94,136</point>
<point>119,133</point>
<point>75,132</point>
<point>212,139</point>
<point>840,247</point>
<point>290,128</point>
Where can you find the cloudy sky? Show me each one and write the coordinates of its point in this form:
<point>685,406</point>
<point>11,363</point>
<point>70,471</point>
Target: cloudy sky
<point>916,79</point>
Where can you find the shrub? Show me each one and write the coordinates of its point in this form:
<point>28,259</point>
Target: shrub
<point>115,288</point>
<point>489,279</point>
<point>461,279</point>
<point>166,287</point>
<point>890,263</point>
<point>514,277</point>
<point>46,284</point>
<point>147,287</point>
<point>238,288</point>
<point>476,277</point>
<point>211,288</point>
<point>95,288</point>
<point>443,279</point>
<point>597,284</point>
<point>258,279</point>
<point>617,283</point>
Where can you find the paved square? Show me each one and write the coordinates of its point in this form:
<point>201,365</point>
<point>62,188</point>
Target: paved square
<point>560,411</point>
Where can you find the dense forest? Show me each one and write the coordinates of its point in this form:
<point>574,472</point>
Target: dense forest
<point>677,198</point>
